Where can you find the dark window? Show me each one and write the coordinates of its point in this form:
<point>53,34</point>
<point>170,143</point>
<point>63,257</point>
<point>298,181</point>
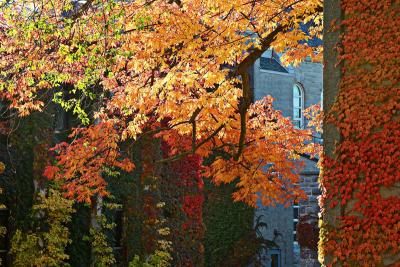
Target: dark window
<point>295,220</point>
<point>275,260</point>
<point>274,257</point>
<point>118,220</point>
<point>118,216</point>
<point>295,212</point>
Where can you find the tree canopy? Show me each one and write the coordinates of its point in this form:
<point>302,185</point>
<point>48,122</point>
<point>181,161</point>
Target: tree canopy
<point>177,70</point>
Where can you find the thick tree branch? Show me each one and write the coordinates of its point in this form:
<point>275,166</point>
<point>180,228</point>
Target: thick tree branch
<point>308,157</point>
<point>257,52</point>
<point>82,9</point>
<point>194,128</point>
<point>244,105</point>
<point>243,71</point>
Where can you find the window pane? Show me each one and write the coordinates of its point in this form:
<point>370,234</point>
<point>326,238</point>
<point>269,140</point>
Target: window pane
<point>297,124</point>
<point>274,260</point>
<point>298,102</point>
<point>296,213</point>
<point>297,113</point>
<point>296,91</point>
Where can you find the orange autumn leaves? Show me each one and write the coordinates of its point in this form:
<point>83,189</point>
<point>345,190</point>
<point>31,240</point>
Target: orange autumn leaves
<point>142,62</point>
<point>267,168</point>
<point>81,164</point>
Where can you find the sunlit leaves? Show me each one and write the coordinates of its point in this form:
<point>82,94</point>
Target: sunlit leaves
<point>144,62</point>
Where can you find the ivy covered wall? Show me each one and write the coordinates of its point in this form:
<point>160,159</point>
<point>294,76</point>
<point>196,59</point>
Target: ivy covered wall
<point>360,170</point>
<point>228,224</point>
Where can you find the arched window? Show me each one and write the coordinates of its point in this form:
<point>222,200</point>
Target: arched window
<point>298,105</point>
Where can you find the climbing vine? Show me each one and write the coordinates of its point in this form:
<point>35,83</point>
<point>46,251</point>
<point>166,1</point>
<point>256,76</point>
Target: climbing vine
<point>161,257</point>
<point>359,183</point>
<point>45,244</point>
<point>228,224</point>
<point>183,191</point>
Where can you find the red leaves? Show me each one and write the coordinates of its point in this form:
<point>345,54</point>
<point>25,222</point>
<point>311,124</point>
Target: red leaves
<point>84,161</point>
<point>50,172</point>
<point>192,205</point>
<point>363,176</point>
<point>188,177</point>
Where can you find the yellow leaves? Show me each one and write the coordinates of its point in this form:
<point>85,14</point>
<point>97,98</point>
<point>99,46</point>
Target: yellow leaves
<point>134,127</point>
<point>315,116</point>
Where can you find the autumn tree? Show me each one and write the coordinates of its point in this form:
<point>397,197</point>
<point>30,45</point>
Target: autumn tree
<point>144,62</point>
<point>173,70</point>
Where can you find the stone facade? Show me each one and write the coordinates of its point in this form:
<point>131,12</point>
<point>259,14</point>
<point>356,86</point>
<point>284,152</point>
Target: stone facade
<point>269,79</point>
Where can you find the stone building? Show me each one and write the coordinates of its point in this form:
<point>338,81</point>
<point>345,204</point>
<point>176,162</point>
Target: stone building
<point>293,90</point>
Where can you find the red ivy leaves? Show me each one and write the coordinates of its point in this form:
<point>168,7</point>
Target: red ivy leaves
<point>188,171</point>
<point>362,179</point>
<point>192,205</point>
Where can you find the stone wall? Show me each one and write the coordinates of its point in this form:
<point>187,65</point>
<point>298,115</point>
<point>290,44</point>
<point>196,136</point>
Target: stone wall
<point>308,220</point>
<point>280,220</point>
<point>279,229</point>
<point>310,185</point>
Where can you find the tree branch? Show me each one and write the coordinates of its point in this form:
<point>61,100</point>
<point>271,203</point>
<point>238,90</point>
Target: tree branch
<point>183,154</point>
<point>308,157</point>
<point>194,128</point>
<point>242,70</point>
<point>82,9</point>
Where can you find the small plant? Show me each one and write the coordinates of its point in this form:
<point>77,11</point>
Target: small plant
<point>102,252</point>
<point>45,246</point>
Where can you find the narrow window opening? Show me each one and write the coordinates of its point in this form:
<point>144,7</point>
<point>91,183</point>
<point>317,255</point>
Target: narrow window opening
<point>298,106</point>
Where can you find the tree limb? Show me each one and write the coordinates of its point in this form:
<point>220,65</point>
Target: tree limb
<point>82,9</point>
<point>183,154</point>
<point>242,70</point>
